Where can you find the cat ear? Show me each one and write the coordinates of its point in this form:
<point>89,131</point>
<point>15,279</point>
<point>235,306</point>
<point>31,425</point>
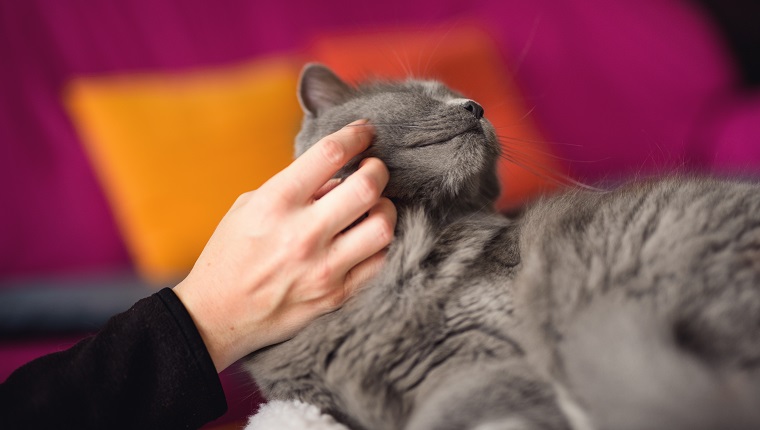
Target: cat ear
<point>319,89</point>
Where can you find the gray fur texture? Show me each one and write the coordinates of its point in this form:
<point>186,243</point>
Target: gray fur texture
<point>643,304</point>
<point>633,309</point>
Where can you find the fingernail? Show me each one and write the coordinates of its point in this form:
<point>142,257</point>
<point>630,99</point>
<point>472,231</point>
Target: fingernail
<point>358,122</point>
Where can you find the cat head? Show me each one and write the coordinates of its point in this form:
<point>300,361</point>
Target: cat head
<point>440,150</point>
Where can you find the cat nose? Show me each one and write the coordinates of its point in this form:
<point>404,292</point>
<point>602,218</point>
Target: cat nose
<point>474,108</point>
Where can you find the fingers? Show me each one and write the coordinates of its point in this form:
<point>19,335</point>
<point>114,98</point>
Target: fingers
<point>366,239</point>
<point>354,197</point>
<point>363,272</point>
<point>326,188</point>
<point>300,181</point>
<point>360,253</point>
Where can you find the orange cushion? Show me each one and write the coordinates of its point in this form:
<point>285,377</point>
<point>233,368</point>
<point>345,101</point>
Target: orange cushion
<point>466,59</point>
<point>173,151</point>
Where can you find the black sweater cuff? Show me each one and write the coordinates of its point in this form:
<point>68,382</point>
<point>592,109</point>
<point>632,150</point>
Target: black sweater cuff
<point>196,347</point>
<point>147,368</point>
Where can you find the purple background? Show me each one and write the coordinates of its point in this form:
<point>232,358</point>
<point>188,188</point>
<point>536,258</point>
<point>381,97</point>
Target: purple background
<point>618,88</point>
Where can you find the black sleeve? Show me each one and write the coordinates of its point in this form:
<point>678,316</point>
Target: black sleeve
<point>148,368</point>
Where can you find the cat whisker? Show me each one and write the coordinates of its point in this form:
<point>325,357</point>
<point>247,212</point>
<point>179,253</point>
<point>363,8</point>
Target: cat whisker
<point>527,114</point>
<point>550,175</point>
<point>528,45</point>
<point>402,64</point>
<point>525,153</point>
<point>399,125</point>
<point>452,26</point>
<point>533,141</point>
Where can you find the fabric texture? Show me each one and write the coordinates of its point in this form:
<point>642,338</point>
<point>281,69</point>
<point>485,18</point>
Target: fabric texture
<point>291,415</point>
<point>147,368</point>
<point>42,307</point>
<point>173,151</point>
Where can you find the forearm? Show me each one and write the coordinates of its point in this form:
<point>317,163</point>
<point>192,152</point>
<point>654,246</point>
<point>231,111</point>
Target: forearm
<point>147,368</point>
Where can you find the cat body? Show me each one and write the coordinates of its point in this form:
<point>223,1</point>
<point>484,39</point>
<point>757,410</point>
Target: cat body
<point>545,321</point>
<point>401,351</point>
<point>441,303</point>
<point>647,296</point>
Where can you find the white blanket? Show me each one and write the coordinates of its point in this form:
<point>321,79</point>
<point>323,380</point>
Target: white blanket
<point>291,415</point>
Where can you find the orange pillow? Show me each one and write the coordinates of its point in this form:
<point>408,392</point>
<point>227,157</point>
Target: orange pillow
<point>467,60</point>
<point>173,151</point>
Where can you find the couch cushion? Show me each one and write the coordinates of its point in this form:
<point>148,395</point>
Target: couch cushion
<point>173,151</point>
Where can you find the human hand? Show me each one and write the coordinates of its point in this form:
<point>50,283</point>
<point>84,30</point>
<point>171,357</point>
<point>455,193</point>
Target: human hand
<point>280,257</point>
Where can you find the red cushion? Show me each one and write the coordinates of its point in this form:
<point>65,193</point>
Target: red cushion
<point>466,59</point>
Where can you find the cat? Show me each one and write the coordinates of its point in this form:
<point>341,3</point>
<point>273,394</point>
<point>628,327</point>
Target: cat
<point>405,345</point>
<point>540,321</point>
<point>643,304</point>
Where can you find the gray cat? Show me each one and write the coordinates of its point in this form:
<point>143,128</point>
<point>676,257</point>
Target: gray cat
<point>633,309</point>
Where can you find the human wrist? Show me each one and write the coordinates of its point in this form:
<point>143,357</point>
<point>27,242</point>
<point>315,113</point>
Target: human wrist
<point>205,316</point>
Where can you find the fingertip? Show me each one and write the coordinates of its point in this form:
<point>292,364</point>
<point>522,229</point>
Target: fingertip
<point>360,125</point>
<point>385,206</point>
<point>387,226</point>
<point>362,130</point>
<point>309,172</point>
<point>358,122</point>
<point>375,166</point>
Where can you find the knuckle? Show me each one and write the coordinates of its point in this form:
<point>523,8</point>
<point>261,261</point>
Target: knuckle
<point>366,188</point>
<point>385,230</point>
<point>334,300</point>
<point>322,276</point>
<point>300,251</point>
<point>385,220</point>
<point>315,229</point>
<point>301,245</point>
<point>388,209</point>
<point>281,193</point>
<point>243,199</point>
<point>333,151</point>
<point>290,189</point>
